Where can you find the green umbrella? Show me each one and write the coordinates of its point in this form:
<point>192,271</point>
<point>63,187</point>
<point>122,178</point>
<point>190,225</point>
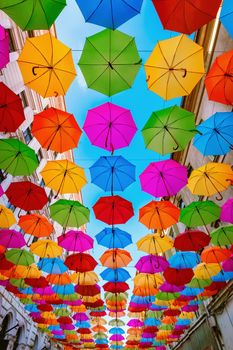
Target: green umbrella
<point>100,335</point>
<point>17,158</point>
<point>167,296</point>
<point>169,130</point>
<point>198,283</point>
<point>153,314</point>
<point>222,236</point>
<point>166,327</point>
<point>62,312</point>
<point>33,14</point>
<point>200,213</point>
<point>26,301</point>
<point>116,322</point>
<point>20,283</point>
<point>70,297</point>
<point>19,257</point>
<point>110,61</point>
<point>69,213</point>
<point>67,331</point>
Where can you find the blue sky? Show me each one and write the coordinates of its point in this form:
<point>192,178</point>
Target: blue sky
<point>147,30</point>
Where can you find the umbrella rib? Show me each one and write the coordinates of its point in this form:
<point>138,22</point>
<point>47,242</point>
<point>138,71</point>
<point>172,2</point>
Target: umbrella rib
<point>187,57</point>
<point>37,49</point>
<point>99,76</point>
<point>120,53</point>
<point>99,52</point>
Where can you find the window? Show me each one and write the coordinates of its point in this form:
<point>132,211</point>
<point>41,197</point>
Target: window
<point>42,183</point>
<point>190,169</point>
<point>12,41</point>
<point>2,176</point>
<point>27,135</point>
<point>30,33</point>
<point>24,99</point>
<point>39,155</point>
<point>10,206</point>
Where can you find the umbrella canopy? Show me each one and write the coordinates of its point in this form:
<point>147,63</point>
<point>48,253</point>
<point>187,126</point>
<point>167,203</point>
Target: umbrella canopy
<point>110,61</point>
<point>109,126</point>
<point>116,287</point>
<point>52,265</point>
<point>19,257</point>
<point>226,16</point>
<point>185,16</point>
<point>59,279</point>
<point>46,248</point>
<point>109,14</point>
<point>113,238</point>
<point>227,211</point>
<point>7,218</point>
<point>223,236</point>
<point>56,130</point>
<point>169,130</point>
<point>192,240</point>
<point>204,271</point>
<point>210,179</point>
<point>164,178</point>
<point>76,241</point>
<point>115,275</point>
<point>175,67</point>
<point>159,214</point>
<point>11,239</point>
<point>215,255</point>
<point>155,243</point>
<point>113,173</point>
<point>115,258</point>
<point>69,213</point>
<point>178,277</point>
<point>4,48</point>
<point>85,278</point>
<point>17,158</point>
<point>184,260</point>
<point>63,176</point>
<point>215,136</point>
<point>151,264</point>
<point>33,14</point>
<point>80,262</point>
<point>26,195</point>
<point>113,210</point>
<point>218,81</point>
<point>11,110</point>
<point>46,65</point>
<point>35,225</point>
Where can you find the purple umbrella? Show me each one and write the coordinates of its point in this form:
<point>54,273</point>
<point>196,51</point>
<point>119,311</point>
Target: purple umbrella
<point>148,335</point>
<point>109,126</point>
<point>57,332</point>
<point>190,308</point>
<point>76,241</point>
<point>43,291</point>
<point>227,265</point>
<point>116,337</point>
<point>4,48</point>
<point>73,302</point>
<point>35,314</point>
<point>135,323</point>
<point>67,326</point>
<point>171,288</point>
<point>227,211</point>
<point>151,264</point>
<point>80,316</point>
<point>164,178</point>
<point>11,239</point>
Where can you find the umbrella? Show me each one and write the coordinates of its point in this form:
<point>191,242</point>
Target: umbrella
<point>155,244</point>
<point>52,265</point>
<point>109,126</point>
<point>115,258</point>
<point>167,296</point>
<point>174,67</point>
<point>185,16</point>
<point>46,65</point>
<point>46,248</point>
<point>164,178</point>
<point>223,236</point>
<point>76,241</point>
<point>110,61</point>
<point>184,260</point>
<point>36,225</point>
<point>218,81</point>
<point>178,277</point>
<point>205,271</point>
<point>151,264</point>
<point>169,130</point>
<point>26,195</point>
<point>33,14</point>
<point>210,179</point>
<point>215,136</point>
<point>109,14</point>
<point>19,257</point>
<point>40,282</point>
<point>226,16</point>
<point>7,218</point>
<point>113,210</point>
<point>159,214</point>
<point>227,265</point>
<point>17,158</point>
<point>227,211</point>
<point>115,275</point>
<point>88,290</point>
<point>116,322</point>
<point>63,176</point>
<point>215,255</point>
<point>116,287</point>
<point>192,240</point>
<point>85,278</point>
<point>113,173</point>
<point>11,110</point>
<point>80,262</point>
<point>199,283</point>
<point>4,48</point>
<point>69,213</point>
<point>11,239</point>
<point>59,279</point>
<point>113,238</point>
<point>56,130</point>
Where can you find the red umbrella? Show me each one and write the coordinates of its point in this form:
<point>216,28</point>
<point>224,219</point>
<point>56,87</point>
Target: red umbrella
<point>40,282</point>
<point>11,110</point>
<point>192,240</point>
<point>45,307</point>
<point>95,304</point>
<point>84,331</point>
<point>116,287</point>
<point>26,195</point>
<point>80,262</point>
<point>171,312</point>
<point>4,263</point>
<point>65,319</point>
<point>113,210</point>
<point>89,290</point>
<point>178,277</point>
<point>186,16</point>
<point>98,313</point>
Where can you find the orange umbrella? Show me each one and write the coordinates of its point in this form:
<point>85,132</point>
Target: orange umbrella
<point>159,214</point>
<point>60,279</point>
<point>169,320</point>
<point>115,258</point>
<point>144,292</point>
<point>36,225</point>
<point>99,329</point>
<point>215,255</point>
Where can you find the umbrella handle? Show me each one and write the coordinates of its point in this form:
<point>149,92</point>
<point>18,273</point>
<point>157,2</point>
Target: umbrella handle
<point>219,197</point>
<point>148,78</point>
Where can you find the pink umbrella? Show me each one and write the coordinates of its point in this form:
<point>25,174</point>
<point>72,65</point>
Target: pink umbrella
<point>110,126</point>
<point>151,264</point>
<point>43,291</point>
<point>4,48</point>
<point>227,211</point>
<point>227,265</point>
<point>135,323</point>
<point>170,288</point>
<point>164,178</point>
<point>116,337</point>
<point>11,239</point>
<point>190,308</point>
<point>73,302</point>
<point>67,327</point>
<point>76,241</point>
<point>57,332</point>
<point>80,316</point>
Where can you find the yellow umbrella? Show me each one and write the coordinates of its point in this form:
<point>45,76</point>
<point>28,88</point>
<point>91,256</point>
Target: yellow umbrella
<point>63,176</point>
<point>48,314</point>
<point>7,218</point>
<point>47,65</point>
<point>31,271</point>
<point>174,67</point>
<point>162,302</point>
<point>45,248</point>
<point>210,179</point>
<point>84,278</point>
<point>155,244</point>
<point>205,271</point>
<point>98,321</point>
<point>148,280</point>
<point>187,315</point>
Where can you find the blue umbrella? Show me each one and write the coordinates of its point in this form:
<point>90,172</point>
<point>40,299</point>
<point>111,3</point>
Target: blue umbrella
<point>184,260</point>
<point>152,322</point>
<point>108,13</point>
<point>113,238</point>
<point>101,341</point>
<point>116,347</point>
<point>183,322</point>
<point>142,300</point>
<point>216,134</point>
<point>222,276</point>
<point>27,290</point>
<point>52,265</point>
<point>54,327</point>
<point>82,324</point>
<point>64,289</point>
<point>190,292</point>
<point>226,16</point>
<point>116,330</point>
<point>31,308</point>
<point>115,275</point>
<point>113,173</point>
